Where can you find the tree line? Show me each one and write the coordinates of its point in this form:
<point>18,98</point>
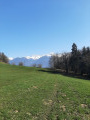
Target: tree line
<point>3,58</point>
<point>77,61</point>
<point>34,65</point>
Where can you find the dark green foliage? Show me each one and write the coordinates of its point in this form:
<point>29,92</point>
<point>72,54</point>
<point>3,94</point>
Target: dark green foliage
<point>74,49</point>
<point>78,61</point>
<point>3,58</point>
<point>75,59</point>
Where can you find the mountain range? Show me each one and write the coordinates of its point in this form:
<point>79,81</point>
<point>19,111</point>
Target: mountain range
<point>32,60</point>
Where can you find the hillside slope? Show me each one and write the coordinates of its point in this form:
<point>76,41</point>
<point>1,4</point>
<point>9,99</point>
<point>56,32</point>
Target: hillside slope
<point>38,94</point>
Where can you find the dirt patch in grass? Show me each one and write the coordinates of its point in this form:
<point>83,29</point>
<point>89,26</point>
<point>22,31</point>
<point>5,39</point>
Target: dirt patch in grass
<point>47,102</point>
<point>63,95</point>
<point>35,87</point>
<point>63,107</point>
<point>83,105</point>
<point>29,114</point>
<point>16,111</point>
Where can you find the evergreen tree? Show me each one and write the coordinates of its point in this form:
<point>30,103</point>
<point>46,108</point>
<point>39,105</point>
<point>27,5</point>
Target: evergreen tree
<point>74,49</point>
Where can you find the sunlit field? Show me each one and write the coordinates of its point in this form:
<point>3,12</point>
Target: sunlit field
<point>38,94</point>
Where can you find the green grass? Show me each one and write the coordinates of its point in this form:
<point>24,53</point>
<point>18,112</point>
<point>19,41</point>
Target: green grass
<point>32,94</point>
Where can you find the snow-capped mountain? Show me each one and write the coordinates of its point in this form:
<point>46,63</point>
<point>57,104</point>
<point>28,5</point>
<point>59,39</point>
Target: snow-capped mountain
<point>31,60</point>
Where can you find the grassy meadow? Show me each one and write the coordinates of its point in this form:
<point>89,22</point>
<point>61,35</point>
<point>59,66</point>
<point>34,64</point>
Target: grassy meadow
<point>37,94</point>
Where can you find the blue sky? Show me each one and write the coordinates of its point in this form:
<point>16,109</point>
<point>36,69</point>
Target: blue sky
<point>37,27</point>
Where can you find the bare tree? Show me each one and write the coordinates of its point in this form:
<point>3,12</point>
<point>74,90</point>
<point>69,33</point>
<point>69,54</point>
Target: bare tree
<point>3,58</point>
<point>20,64</point>
<point>54,61</point>
<point>34,65</point>
<point>13,63</point>
<point>39,66</point>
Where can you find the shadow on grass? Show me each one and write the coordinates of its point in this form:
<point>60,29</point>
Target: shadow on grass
<point>65,74</point>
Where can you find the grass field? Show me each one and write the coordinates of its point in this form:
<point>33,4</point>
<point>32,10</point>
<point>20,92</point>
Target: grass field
<point>35,94</point>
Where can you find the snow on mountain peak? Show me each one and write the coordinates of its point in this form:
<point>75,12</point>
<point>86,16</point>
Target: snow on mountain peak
<point>33,57</point>
<point>10,58</point>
